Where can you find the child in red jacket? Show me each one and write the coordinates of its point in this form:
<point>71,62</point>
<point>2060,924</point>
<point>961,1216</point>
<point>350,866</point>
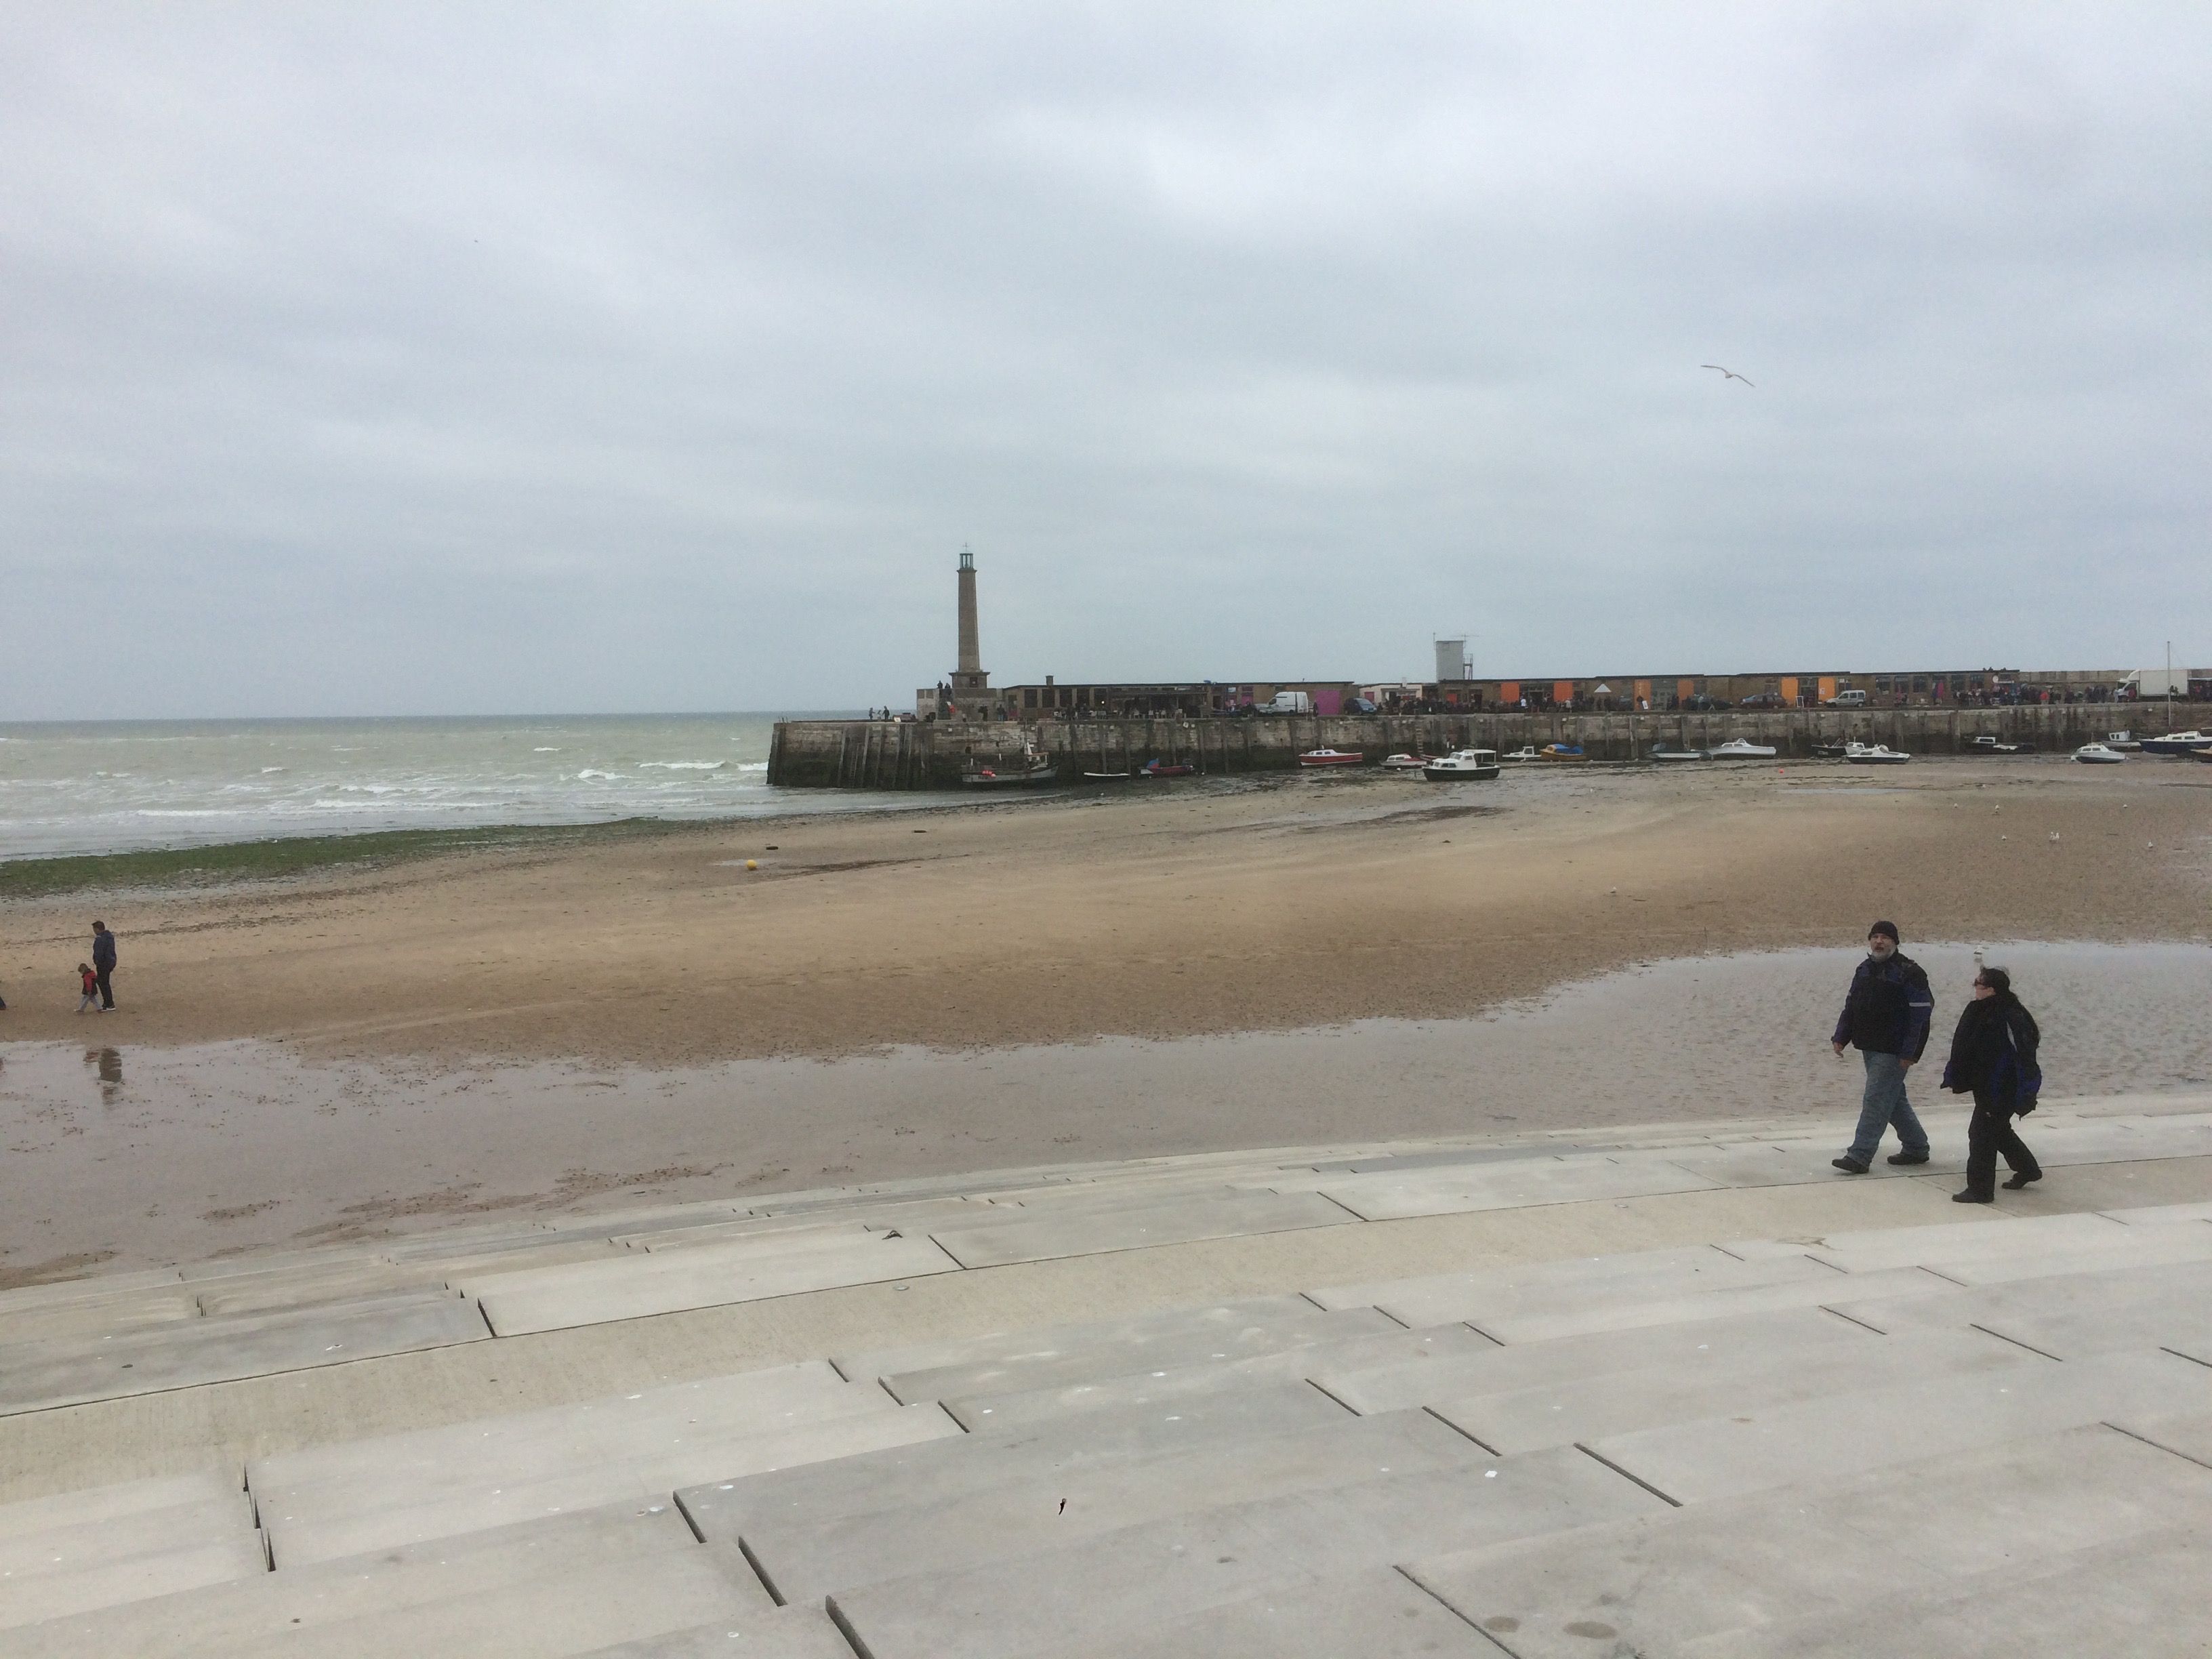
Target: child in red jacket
<point>91,997</point>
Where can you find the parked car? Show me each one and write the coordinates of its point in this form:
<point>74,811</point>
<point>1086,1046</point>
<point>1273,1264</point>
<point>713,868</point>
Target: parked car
<point>1848,699</point>
<point>1765,700</point>
<point>1358,706</point>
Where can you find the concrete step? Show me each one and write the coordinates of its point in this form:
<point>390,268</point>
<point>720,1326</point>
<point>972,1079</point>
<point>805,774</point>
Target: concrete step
<point>1060,1358</point>
<point>804,1560</point>
<point>593,1430</point>
<point>1137,1226</point>
<point>1822,1439</point>
<point>1142,1577</point>
<point>1143,1335</point>
<point>108,1582</point>
<point>205,1623</point>
<point>1178,1383</point>
<point>118,1537</point>
<point>38,1376</point>
<point>1844,1550</point>
<point>639,1284</point>
<point>1816,1336</point>
<point>2127,1598</point>
<point>98,1316</point>
<point>301,1533</point>
<point>117,1502</point>
<point>1600,1408</point>
<point>1991,1237</point>
<point>783,1634</point>
<point>2102,1310</point>
<point>1379,1613</point>
<point>544,1617</point>
<point>943,1471</point>
<point>1512,1185</point>
<point>2187,1434</point>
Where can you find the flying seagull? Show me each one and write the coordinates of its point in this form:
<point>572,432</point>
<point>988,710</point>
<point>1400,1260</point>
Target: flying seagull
<point>1729,372</point>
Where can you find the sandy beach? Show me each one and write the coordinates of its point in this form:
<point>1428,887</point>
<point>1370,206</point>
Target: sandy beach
<point>335,1054</point>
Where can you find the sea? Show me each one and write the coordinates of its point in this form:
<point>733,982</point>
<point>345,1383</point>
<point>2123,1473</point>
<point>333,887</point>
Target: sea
<point>108,786</point>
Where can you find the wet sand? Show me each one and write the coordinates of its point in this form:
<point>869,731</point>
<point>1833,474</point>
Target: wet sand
<point>1090,976</point>
<point>124,1156</point>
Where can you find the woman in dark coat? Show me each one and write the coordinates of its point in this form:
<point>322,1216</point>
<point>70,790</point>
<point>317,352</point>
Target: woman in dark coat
<point>1993,1058</point>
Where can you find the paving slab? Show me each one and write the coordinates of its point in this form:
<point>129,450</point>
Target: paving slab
<point>101,1316</point>
<point>300,1532</point>
<point>1137,1332</point>
<point>1822,1439</point>
<point>1379,1613</point>
<point>93,1286</point>
<point>117,1502</point>
<point>784,1633</point>
<point>1144,1576</point>
<point>1139,1225</point>
<point>1988,1236</point>
<point>2187,1435</point>
<point>1802,1160</point>
<point>2068,1316</point>
<point>1440,1298</point>
<point>118,1537</point>
<point>2114,1599</point>
<point>803,1559</point>
<point>1511,1185</point>
<point>1059,1363</point>
<point>906,1216</point>
<point>540,1617</point>
<point>1599,1408</point>
<point>945,1470</point>
<point>640,1285</point>
<point>211,1621</point>
<point>38,1376</point>
<point>1652,1585</point>
<point>772,1397</point>
<point>58,1594</point>
<point>1214,1376</point>
<point>1814,1335</point>
<point>1465,1158</point>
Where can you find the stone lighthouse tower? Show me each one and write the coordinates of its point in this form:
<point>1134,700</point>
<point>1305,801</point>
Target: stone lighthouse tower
<point>971,685</point>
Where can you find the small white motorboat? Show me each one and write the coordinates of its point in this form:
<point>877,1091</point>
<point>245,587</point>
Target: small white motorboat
<point>1737,748</point>
<point>2123,741</point>
<point>1408,762</point>
<point>1986,745</point>
<point>1321,758</point>
<point>1463,766</point>
<point>2176,742</point>
<point>1677,755</point>
<point>1525,752</point>
<point>2098,754</point>
<point>1879,754</point>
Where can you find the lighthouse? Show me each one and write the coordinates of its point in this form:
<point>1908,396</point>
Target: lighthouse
<point>970,683</point>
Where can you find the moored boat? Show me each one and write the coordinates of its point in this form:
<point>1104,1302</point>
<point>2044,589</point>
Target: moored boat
<point>1561,751</point>
<point>1168,769</point>
<point>1878,754</point>
<point>1324,757</point>
<point>1408,762</point>
<point>1527,751</point>
<point>1832,750</point>
<point>1677,755</point>
<point>2178,743</point>
<point>1739,749</point>
<point>989,777</point>
<point>2123,741</point>
<point>1462,766</point>
<point>1986,745</point>
<point>1107,777</point>
<point>2098,754</point>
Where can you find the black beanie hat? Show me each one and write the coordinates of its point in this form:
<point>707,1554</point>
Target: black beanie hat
<point>1888,927</point>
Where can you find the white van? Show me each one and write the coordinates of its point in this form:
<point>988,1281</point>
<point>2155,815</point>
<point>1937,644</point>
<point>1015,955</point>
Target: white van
<point>1848,699</point>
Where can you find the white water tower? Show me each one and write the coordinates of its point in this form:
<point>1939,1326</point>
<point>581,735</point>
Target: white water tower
<point>1452,661</point>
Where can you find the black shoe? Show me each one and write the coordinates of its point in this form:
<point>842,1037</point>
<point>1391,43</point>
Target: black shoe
<point>1848,1165</point>
<point>1971,1197</point>
<point>2021,1181</point>
<point>1908,1158</point>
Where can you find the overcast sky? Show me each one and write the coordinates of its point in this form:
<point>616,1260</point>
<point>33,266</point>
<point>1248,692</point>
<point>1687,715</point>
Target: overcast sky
<point>461,358</point>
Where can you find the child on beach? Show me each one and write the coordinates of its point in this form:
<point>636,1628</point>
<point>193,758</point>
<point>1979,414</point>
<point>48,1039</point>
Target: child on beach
<point>91,997</point>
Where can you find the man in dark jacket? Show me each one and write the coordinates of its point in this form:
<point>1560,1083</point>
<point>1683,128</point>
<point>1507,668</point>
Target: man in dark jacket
<point>103,962</point>
<point>1886,1018</point>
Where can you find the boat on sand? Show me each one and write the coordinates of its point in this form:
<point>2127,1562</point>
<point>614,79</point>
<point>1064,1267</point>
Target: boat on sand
<point>1462,766</point>
<point>2098,754</point>
<point>1317,758</point>
<point>1740,749</point>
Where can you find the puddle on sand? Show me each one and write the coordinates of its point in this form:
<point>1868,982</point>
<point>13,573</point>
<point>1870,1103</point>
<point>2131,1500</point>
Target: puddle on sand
<point>181,1154</point>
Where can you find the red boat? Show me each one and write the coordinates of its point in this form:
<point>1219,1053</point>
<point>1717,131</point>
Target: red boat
<point>1331,757</point>
<point>1160,770</point>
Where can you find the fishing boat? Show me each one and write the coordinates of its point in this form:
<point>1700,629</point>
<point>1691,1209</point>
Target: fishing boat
<point>1738,748</point>
<point>2176,742</point>
<point>989,777</point>
<point>2123,741</point>
<point>1561,751</point>
<point>1879,754</point>
<point>1677,755</point>
<point>1408,762</point>
<point>1168,769</point>
<point>1324,757</point>
<point>2098,754</point>
<point>1462,766</point>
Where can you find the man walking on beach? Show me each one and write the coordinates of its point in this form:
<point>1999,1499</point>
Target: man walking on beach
<point>103,962</point>
<point>1886,1018</point>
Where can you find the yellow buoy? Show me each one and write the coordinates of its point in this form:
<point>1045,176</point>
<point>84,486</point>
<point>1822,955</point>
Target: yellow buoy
<point>753,864</point>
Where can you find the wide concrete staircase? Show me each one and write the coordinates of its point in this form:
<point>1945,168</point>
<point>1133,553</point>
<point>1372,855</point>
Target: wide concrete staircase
<point>1967,1432</point>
